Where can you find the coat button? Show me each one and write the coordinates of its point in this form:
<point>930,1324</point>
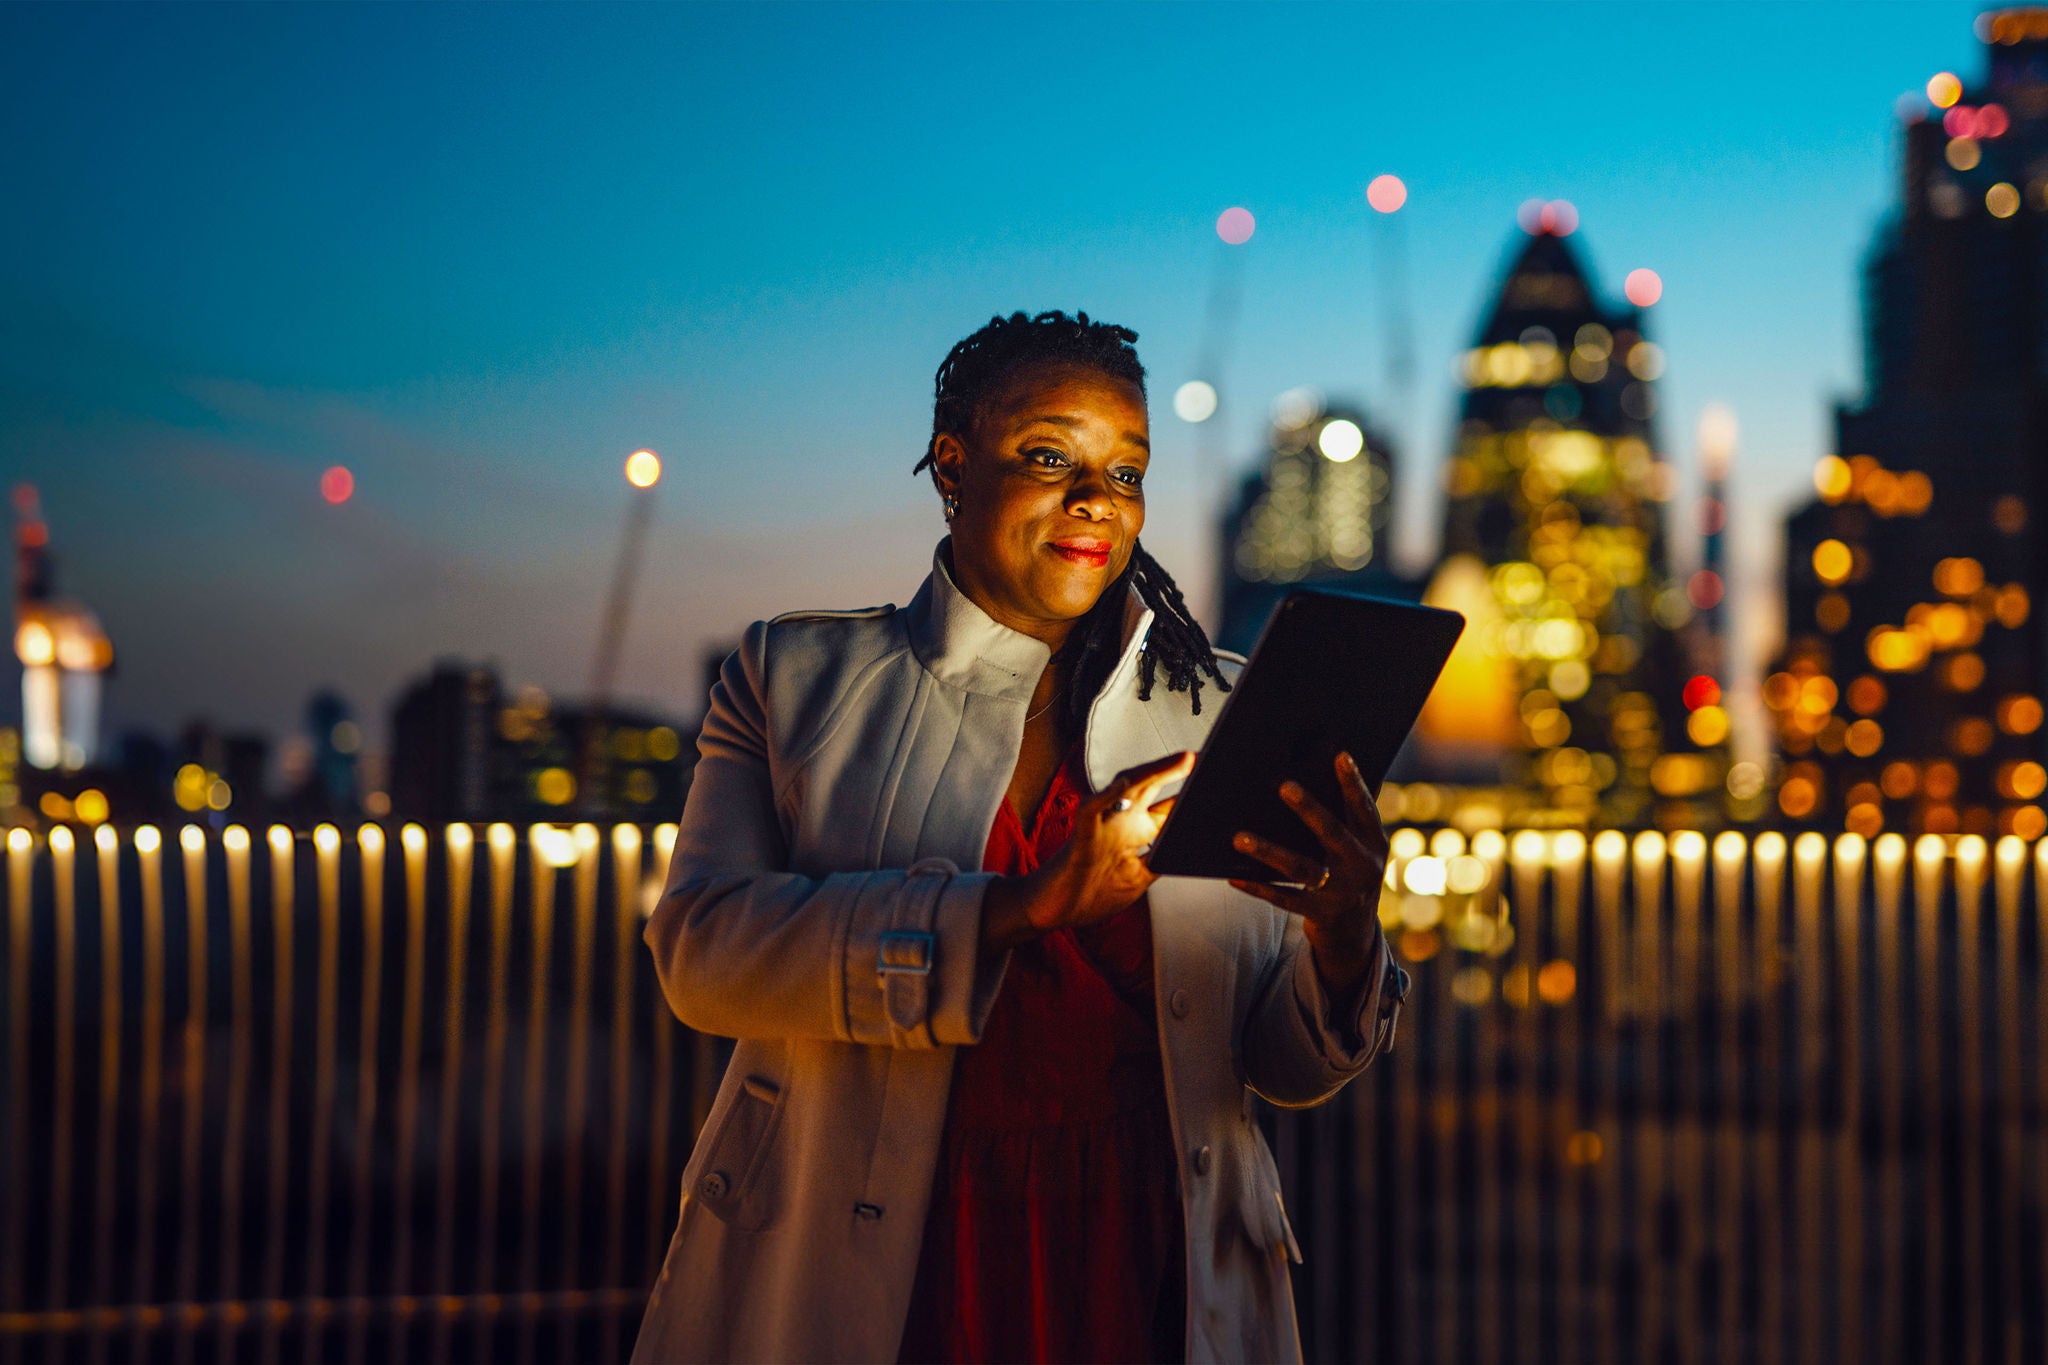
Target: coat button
<point>714,1186</point>
<point>1178,1003</point>
<point>1202,1159</point>
<point>867,1212</point>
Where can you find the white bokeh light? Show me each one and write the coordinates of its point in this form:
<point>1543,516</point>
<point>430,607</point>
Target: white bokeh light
<point>1194,401</point>
<point>1340,441</point>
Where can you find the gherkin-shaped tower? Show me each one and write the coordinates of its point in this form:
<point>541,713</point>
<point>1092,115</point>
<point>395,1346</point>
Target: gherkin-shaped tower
<point>1554,543</point>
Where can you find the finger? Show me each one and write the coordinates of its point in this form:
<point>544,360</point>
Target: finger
<point>1273,895</point>
<point>1285,861</point>
<point>1162,808</point>
<point>1365,812</point>
<point>1344,847</point>
<point>1150,777</point>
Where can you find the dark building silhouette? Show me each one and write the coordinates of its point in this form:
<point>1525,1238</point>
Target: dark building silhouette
<point>461,749</point>
<point>442,745</point>
<point>1571,687</point>
<point>1909,692</point>
<point>1316,513</point>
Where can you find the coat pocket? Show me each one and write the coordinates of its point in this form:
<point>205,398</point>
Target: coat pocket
<point>1267,1211</point>
<point>727,1180</point>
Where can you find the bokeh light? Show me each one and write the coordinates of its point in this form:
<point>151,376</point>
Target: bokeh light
<point>1944,89</point>
<point>1235,225</point>
<point>1386,193</point>
<point>1643,287</point>
<point>1832,478</point>
<point>1340,441</point>
<point>337,485</point>
<point>1195,401</point>
<point>643,469</point>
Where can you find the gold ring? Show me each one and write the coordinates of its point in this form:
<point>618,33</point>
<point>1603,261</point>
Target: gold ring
<point>1322,881</point>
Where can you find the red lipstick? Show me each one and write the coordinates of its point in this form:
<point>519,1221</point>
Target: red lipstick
<point>1093,554</point>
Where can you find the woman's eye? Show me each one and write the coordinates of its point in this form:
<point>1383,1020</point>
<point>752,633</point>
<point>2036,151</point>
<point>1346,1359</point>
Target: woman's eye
<point>1131,477</point>
<point>1045,455</point>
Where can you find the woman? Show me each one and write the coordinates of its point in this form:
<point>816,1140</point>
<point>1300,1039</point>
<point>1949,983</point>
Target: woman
<point>991,1096</point>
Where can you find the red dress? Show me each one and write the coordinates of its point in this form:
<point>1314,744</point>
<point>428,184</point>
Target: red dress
<point>1055,1228</point>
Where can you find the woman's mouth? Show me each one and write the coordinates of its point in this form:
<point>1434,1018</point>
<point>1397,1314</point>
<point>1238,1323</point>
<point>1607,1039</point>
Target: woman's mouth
<point>1092,554</point>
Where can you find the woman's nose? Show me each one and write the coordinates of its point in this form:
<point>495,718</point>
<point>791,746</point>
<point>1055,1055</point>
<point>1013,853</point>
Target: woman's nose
<point>1089,496</point>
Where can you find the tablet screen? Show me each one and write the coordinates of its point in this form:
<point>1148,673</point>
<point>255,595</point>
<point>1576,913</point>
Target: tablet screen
<point>1330,673</point>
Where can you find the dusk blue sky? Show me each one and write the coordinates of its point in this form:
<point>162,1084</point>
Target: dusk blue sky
<point>479,255</point>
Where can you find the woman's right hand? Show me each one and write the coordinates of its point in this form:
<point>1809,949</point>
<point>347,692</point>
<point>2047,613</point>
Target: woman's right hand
<point>1098,871</point>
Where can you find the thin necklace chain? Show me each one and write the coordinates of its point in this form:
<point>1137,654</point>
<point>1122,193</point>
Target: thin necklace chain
<point>1057,689</point>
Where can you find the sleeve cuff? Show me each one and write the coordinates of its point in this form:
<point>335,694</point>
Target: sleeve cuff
<point>910,960</point>
<point>1353,1026</point>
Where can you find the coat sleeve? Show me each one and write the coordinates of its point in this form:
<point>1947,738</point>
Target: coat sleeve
<point>745,949</point>
<point>1300,1045</point>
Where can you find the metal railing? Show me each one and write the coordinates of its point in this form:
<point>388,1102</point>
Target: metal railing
<point>1741,1100</point>
<point>382,1096</point>
<point>346,1096</point>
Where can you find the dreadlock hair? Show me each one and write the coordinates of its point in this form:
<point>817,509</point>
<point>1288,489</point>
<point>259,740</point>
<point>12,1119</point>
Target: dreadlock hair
<point>973,372</point>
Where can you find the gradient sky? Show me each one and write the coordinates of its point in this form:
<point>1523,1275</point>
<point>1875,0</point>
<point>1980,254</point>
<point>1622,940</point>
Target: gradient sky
<point>481,254</point>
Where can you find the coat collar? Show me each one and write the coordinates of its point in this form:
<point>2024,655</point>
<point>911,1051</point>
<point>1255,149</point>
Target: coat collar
<point>963,645</point>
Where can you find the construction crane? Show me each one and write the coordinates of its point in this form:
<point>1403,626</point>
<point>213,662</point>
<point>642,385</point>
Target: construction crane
<point>643,472</point>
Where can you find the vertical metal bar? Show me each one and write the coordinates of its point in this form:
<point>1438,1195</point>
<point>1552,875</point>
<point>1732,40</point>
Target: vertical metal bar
<point>626,936</point>
<point>150,1081</point>
<point>1689,1151</point>
<point>1769,889</point>
<point>412,852</point>
<point>105,1291</point>
<point>576,1094</point>
<point>1567,854</point>
<point>241,1043</point>
<point>21,853</point>
<point>1524,864</point>
<point>192,1141</point>
<point>370,875</point>
<point>2010,859</point>
<point>1730,856</point>
<point>546,847</point>
<point>1887,1317</point>
<point>1809,871</point>
<point>492,1116</point>
<point>2039,1099</point>
<point>1850,852</point>
<point>276,1244</point>
<point>460,842</point>
<point>1651,1148</point>
<point>1403,1083</point>
<point>1970,860</point>
<point>64,1083</point>
<point>1930,855</point>
<point>1610,853</point>
<point>661,1208</point>
<point>326,1006</point>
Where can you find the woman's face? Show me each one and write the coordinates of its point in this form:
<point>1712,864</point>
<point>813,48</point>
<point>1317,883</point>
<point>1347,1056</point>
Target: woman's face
<point>1051,491</point>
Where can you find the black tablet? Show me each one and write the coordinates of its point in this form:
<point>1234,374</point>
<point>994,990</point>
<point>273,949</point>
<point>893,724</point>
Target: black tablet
<point>1330,673</point>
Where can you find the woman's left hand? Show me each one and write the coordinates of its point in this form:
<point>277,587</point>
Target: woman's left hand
<point>1338,898</point>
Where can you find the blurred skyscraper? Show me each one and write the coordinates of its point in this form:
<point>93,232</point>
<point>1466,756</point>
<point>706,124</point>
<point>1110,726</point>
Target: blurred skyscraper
<point>462,750</point>
<point>1909,693</point>
<point>1316,513</point>
<point>63,652</point>
<point>1574,688</point>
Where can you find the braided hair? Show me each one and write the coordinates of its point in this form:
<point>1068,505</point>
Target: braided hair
<point>973,372</point>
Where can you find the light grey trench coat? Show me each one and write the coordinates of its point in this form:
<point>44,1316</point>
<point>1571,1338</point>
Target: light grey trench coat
<point>823,908</point>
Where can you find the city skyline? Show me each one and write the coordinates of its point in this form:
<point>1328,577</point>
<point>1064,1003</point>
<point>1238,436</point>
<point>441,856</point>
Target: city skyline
<point>482,315</point>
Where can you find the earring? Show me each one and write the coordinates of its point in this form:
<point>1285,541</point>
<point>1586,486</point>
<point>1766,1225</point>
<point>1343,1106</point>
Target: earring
<point>952,505</point>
